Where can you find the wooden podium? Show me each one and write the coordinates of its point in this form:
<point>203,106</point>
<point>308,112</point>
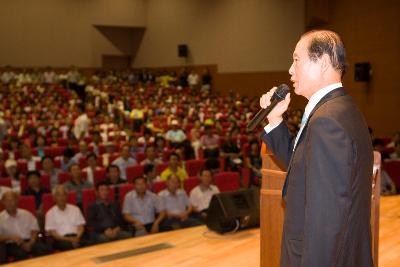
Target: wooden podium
<point>272,209</point>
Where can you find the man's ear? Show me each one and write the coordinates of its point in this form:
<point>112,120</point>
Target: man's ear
<point>325,62</point>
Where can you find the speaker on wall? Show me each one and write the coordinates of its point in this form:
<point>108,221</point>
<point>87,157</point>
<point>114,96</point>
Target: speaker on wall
<point>233,211</point>
<point>182,50</point>
<point>362,72</point>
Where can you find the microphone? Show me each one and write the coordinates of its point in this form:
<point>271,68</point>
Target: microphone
<point>278,96</point>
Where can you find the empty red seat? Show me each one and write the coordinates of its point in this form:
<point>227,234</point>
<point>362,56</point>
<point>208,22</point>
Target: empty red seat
<point>134,171</point>
<point>22,166</point>
<point>194,166</point>
<point>123,190</point>
<point>227,181</point>
<point>27,203</point>
<point>48,201</point>
<point>161,167</point>
<point>6,182</point>
<point>99,175</point>
<point>190,183</point>
<point>158,186</point>
<point>140,156</point>
<point>392,167</point>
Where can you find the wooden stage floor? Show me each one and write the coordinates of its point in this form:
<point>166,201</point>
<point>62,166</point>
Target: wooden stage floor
<point>199,247</point>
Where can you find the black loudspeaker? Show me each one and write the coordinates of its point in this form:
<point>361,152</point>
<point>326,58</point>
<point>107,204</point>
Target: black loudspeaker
<point>182,50</point>
<point>233,211</point>
<point>362,72</point>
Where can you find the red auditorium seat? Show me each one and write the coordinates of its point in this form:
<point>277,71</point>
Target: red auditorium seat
<point>245,176</point>
<point>227,181</point>
<point>44,181</point>
<point>27,203</point>
<point>158,186</point>
<point>392,167</point>
<point>194,166</point>
<point>5,182</point>
<point>140,157</point>
<point>89,197</point>
<point>134,171</point>
<point>161,167</point>
<point>22,166</point>
<point>48,201</point>
<point>54,151</point>
<point>63,177</point>
<point>123,190</point>
<point>190,183</point>
<point>99,175</point>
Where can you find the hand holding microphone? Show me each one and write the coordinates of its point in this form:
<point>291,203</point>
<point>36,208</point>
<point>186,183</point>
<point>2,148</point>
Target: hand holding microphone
<point>273,104</point>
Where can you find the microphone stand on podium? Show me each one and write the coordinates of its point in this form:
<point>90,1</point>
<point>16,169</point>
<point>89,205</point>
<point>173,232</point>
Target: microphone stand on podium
<point>272,209</point>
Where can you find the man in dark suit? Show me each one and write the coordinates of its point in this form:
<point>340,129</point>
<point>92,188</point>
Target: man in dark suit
<point>329,163</point>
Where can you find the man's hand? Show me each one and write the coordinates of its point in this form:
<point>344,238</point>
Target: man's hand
<point>109,233</point>
<point>17,240</point>
<point>154,228</point>
<point>183,216</point>
<point>275,116</point>
<point>138,225</point>
<point>27,246</point>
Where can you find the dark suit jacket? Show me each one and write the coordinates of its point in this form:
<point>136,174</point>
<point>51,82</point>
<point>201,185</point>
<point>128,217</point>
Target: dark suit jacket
<point>328,186</point>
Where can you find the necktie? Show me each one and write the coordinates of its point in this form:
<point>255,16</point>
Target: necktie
<point>303,122</point>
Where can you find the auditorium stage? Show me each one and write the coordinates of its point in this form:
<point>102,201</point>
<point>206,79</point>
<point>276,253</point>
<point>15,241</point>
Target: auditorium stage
<point>199,247</point>
<point>195,246</point>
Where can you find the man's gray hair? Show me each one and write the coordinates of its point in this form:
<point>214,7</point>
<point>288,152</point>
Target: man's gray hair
<point>327,42</point>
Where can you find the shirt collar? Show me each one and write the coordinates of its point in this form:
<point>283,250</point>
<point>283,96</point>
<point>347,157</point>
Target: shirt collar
<point>317,96</point>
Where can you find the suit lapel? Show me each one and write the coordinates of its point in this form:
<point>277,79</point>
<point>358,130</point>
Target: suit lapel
<point>331,95</point>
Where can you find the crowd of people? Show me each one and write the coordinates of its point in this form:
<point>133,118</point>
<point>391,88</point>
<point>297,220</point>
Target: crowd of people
<point>86,131</point>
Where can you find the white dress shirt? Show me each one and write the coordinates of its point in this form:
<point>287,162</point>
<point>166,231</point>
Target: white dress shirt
<point>64,221</point>
<point>200,197</point>
<point>21,225</point>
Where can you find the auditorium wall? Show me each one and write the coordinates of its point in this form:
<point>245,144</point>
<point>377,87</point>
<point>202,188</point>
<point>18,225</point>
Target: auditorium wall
<point>61,32</point>
<point>371,32</point>
<point>237,35</point>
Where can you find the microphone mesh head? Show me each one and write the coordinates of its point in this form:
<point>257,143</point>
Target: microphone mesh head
<point>281,92</point>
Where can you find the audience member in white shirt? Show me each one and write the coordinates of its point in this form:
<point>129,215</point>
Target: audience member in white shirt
<point>19,229</point>
<point>201,195</point>
<point>64,222</point>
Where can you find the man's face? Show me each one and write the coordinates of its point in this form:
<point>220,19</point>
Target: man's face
<point>173,161</point>
<point>206,178</point>
<point>102,192</point>
<point>173,184</point>
<point>113,174</point>
<point>10,202</point>
<point>60,198</point>
<point>150,153</point>
<point>140,186</point>
<point>82,147</point>
<point>305,73</point>
<point>125,152</point>
<point>34,180</point>
<point>47,164</point>
<point>75,172</point>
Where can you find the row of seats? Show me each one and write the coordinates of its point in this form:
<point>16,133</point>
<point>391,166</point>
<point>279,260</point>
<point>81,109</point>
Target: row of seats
<point>225,181</point>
